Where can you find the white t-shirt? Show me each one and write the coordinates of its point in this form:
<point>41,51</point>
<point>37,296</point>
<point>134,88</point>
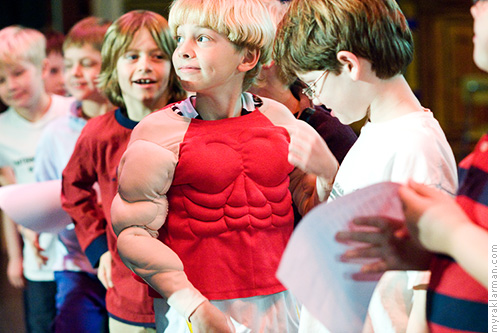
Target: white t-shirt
<point>412,146</point>
<point>18,140</point>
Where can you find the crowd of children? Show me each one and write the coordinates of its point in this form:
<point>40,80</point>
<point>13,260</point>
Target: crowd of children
<point>189,150</point>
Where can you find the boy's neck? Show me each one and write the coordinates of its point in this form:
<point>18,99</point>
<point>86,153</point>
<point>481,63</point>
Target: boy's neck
<point>91,109</point>
<point>394,98</point>
<point>218,106</point>
<point>137,110</point>
<point>37,109</point>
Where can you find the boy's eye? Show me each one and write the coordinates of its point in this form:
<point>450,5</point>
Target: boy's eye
<point>179,39</point>
<point>203,39</point>
<point>19,72</point>
<point>159,56</point>
<point>88,63</point>
<point>131,56</point>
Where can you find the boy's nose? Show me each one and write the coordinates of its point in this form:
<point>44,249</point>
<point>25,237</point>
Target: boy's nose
<point>11,82</point>
<point>185,51</point>
<point>76,70</point>
<point>145,63</point>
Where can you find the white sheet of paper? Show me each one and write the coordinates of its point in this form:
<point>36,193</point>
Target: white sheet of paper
<point>36,206</point>
<point>311,269</point>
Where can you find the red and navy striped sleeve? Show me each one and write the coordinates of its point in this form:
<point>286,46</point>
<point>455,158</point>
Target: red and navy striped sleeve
<point>456,302</point>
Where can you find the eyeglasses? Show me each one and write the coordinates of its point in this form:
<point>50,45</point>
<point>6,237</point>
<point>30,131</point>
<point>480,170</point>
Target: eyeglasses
<point>310,90</point>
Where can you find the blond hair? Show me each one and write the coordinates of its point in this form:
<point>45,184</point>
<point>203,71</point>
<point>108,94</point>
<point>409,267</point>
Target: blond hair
<point>247,24</point>
<point>18,43</point>
<point>116,42</point>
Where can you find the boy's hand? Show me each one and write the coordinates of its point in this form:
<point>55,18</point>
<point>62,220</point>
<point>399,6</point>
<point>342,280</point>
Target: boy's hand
<point>384,239</point>
<point>310,153</point>
<point>104,270</point>
<point>431,216</point>
<point>33,238</point>
<point>207,319</point>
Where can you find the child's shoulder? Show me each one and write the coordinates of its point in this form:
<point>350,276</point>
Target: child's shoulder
<point>170,115</point>
<point>163,126</point>
<point>276,112</point>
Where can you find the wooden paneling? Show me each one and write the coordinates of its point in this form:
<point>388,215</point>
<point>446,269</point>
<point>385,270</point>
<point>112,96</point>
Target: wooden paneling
<point>158,6</point>
<point>444,52</point>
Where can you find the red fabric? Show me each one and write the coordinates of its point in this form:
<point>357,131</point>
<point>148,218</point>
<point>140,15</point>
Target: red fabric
<point>230,210</point>
<point>96,157</point>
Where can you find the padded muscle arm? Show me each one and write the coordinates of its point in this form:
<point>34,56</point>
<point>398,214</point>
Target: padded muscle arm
<point>138,211</point>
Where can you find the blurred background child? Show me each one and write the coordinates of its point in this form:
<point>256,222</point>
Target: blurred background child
<point>22,66</point>
<point>54,76</point>
<point>80,298</point>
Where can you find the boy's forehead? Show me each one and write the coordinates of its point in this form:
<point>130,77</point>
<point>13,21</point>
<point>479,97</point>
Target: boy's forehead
<point>10,65</point>
<point>193,25</point>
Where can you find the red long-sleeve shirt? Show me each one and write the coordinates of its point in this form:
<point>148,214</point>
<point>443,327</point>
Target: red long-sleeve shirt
<point>95,159</point>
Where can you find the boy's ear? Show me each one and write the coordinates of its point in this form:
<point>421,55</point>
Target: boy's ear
<point>45,67</point>
<point>351,64</point>
<point>250,60</point>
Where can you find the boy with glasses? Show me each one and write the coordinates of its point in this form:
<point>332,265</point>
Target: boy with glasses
<point>455,229</point>
<point>353,54</point>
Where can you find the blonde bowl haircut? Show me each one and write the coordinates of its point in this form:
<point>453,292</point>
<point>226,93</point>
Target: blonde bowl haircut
<point>116,42</point>
<point>247,24</point>
<point>90,30</point>
<point>18,43</point>
<point>312,32</point>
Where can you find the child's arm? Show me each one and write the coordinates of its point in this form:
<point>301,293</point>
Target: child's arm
<point>80,201</point>
<point>12,237</point>
<point>442,226</point>
<point>310,153</point>
<point>139,210</point>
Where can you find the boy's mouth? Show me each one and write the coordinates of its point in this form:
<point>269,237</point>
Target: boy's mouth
<point>144,81</point>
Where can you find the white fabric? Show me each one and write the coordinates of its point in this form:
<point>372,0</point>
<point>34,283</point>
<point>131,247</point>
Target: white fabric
<point>45,213</point>
<point>262,311</point>
<point>18,140</point>
<point>392,301</point>
<point>412,146</point>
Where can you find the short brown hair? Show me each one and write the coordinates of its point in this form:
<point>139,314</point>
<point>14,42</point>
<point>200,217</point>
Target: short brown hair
<point>90,30</point>
<point>55,40</point>
<point>116,42</point>
<point>314,31</point>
